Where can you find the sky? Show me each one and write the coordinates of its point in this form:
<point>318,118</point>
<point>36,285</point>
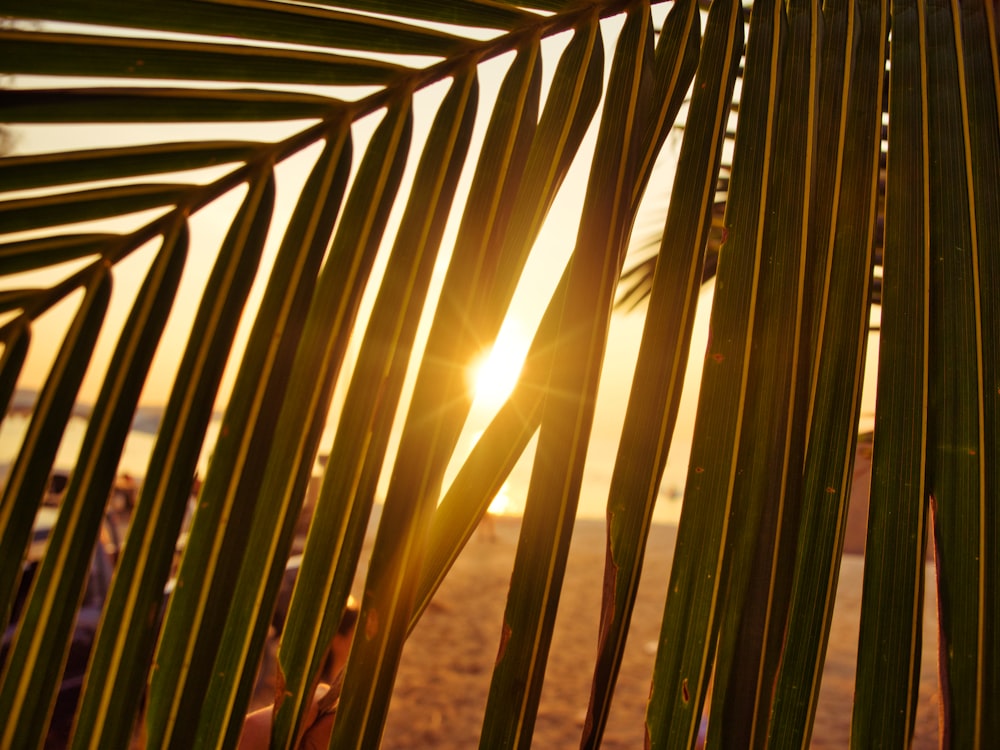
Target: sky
<point>545,266</point>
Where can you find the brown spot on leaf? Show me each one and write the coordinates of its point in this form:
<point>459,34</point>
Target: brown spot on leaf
<point>371,624</point>
<point>279,687</point>
<point>504,639</point>
<point>685,693</point>
<point>610,590</point>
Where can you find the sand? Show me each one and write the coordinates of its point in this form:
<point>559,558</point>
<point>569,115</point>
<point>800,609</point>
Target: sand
<point>444,674</point>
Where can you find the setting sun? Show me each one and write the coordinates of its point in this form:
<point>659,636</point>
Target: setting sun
<point>501,504</point>
<point>493,376</point>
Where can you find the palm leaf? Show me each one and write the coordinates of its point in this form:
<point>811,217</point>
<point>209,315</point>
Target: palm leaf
<point>844,273</point>
<point>59,583</point>
<point>956,471</point>
<point>565,419</point>
<point>28,476</point>
<point>894,575</point>
<point>357,292</point>
<point>241,450</point>
<point>338,297</point>
<point>108,710</point>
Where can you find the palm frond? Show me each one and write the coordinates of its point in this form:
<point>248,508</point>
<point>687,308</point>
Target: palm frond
<point>310,218</point>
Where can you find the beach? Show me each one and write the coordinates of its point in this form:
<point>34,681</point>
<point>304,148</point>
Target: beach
<point>444,675</point>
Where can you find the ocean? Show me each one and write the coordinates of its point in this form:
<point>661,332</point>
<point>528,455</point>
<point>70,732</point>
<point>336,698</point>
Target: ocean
<point>510,500</point>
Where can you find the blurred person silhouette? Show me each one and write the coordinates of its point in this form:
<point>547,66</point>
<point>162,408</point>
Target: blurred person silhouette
<point>319,717</point>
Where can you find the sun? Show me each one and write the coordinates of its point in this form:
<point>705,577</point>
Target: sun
<point>501,504</point>
<point>493,376</point>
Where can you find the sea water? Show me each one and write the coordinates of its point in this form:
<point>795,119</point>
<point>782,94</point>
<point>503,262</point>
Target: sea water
<point>139,447</point>
<point>135,455</point>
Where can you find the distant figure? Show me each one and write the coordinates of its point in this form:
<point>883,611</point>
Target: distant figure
<point>57,486</point>
<point>123,493</point>
<point>488,526</point>
<point>318,721</point>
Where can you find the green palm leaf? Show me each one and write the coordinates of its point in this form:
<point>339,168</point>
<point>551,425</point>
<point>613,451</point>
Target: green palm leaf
<point>59,584</point>
<point>392,330</point>
<point>332,305</point>
<point>160,105</point>
<point>123,646</point>
<point>241,451</point>
<point>894,575</point>
<point>844,274</point>
<point>28,476</point>
<point>338,297</point>
<point>956,474</point>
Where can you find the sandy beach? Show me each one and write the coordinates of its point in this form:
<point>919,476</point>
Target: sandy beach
<point>444,675</point>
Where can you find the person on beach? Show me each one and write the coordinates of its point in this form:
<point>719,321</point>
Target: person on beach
<point>318,720</point>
